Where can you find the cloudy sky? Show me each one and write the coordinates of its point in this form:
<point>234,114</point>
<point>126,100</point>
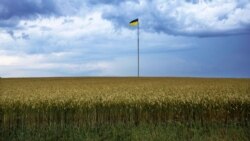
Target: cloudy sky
<point>196,38</point>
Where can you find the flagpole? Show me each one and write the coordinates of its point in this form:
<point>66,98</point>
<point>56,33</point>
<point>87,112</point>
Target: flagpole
<point>138,51</point>
<point>136,22</point>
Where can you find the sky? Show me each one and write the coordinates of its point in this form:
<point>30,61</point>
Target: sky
<point>178,38</point>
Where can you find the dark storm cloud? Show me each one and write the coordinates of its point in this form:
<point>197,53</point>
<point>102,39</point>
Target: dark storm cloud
<point>26,8</point>
<point>207,18</point>
<point>23,36</point>
<point>11,33</point>
<point>12,11</point>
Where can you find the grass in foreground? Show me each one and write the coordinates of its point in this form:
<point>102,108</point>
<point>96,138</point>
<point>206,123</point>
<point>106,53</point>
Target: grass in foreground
<point>122,132</point>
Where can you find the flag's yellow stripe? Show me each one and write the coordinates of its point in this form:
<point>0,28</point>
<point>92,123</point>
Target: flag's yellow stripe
<point>134,23</point>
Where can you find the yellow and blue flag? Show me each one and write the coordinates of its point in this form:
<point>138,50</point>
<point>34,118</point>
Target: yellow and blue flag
<point>135,22</point>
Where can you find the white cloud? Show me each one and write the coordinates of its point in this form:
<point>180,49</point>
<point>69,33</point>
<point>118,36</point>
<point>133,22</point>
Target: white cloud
<point>20,65</point>
<point>91,24</point>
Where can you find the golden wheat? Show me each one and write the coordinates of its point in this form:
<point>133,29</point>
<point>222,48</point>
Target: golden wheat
<point>93,101</point>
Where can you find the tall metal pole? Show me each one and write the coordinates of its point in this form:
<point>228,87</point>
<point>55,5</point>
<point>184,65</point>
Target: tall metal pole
<point>138,44</point>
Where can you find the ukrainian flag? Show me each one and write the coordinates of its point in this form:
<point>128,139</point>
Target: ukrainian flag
<point>135,22</point>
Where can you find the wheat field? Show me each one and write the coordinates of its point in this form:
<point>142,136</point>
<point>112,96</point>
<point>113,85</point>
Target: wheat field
<point>31,103</point>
